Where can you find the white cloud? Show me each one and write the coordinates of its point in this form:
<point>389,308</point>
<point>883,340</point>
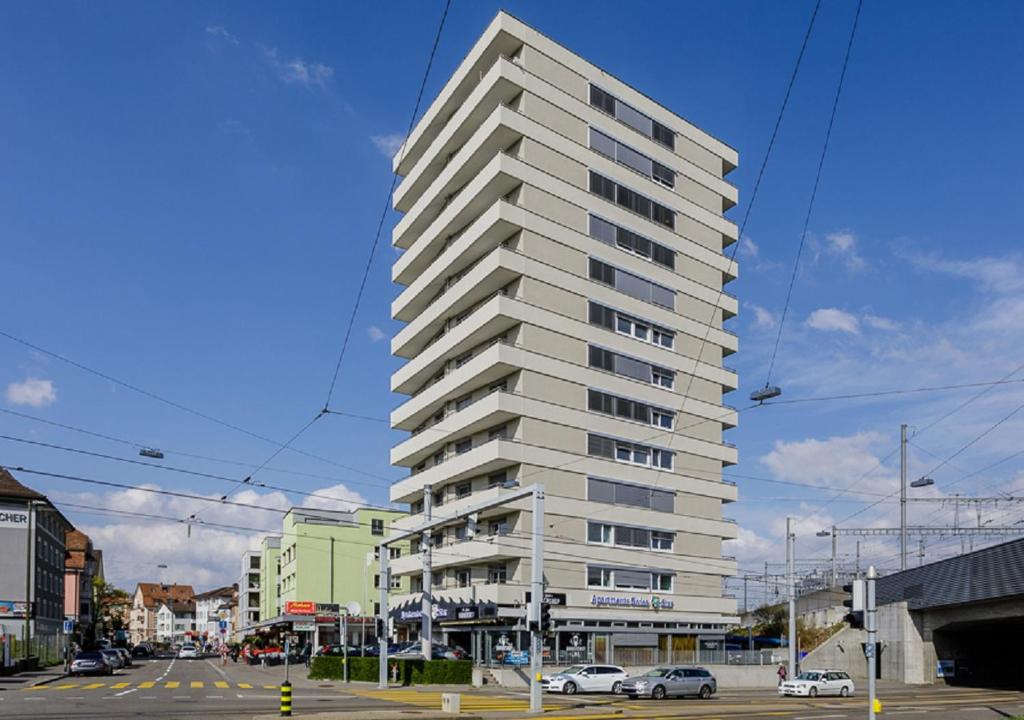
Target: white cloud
<point>748,248</point>
<point>33,392</point>
<point>881,323</point>
<point>375,333</point>
<point>221,33</point>
<point>833,319</point>
<point>210,555</point>
<point>999,275</point>
<point>835,462</point>
<point>762,318</point>
<point>388,145</point>
<point>298,71</point>
<point>843,244</point>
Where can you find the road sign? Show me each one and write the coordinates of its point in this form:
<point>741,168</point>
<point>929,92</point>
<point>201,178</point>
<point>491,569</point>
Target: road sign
<point>69,627</point>
<point>869,650</point>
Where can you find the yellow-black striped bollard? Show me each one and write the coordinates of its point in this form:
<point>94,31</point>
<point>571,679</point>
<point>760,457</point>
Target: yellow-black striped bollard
<point>286,699</point>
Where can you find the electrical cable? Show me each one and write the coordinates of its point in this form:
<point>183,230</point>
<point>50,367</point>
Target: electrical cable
<point>814,190</point>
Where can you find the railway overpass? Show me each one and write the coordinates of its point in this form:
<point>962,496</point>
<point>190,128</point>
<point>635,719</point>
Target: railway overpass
<point>956,621</point>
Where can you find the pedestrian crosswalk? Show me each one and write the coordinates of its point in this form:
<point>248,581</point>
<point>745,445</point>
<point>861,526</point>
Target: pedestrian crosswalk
<point>89,684</point>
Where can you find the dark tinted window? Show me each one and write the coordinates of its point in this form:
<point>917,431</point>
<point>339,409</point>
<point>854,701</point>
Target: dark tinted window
<point>662,215</point>
<point>600,446</point>
<point>600,315</point>
<point>663,174</point>
<point>663,135</point>
<point>601,358</point>
<point>663,256</point>
<point>600,99</point>
<point>88,656</point>
<point>602,186</point>
<point>602,272</point>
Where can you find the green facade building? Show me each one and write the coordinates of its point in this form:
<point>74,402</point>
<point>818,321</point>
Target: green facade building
<point>270,576</point>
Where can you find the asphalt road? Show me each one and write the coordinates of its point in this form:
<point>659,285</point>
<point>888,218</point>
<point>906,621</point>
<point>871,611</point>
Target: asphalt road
<point>203,688</point>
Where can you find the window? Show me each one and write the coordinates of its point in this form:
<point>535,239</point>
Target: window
<point>460,532</point>
<point>396,582</point>
<point>616,493</point>
<point>663,377</point>
<point>632,579</point>
<point>463,490</point>
<point>661,582</point>
<point>624,154</point>
<point>497,574</point>
<point>625,451</point>
<point>463,359</point>
<point>603,402</point>
<point>496,480</point>
<point>437,580</point>
<point>438,497</point>
<point>462,578</point>
<point>393,553</point>
<point>632,285</point>
<point>630,116</point>
<point>463,402</point>
<point>376,526</point>
<point>599,577</point>
<point>500,432</point>
<point>599,533</point>
<point>627,325</point>
<point>437,539</point>
<point>498,526</point>
<point>661,418</point>
<point>463,446</point>
<point>632,200</point>
<point>661,540</point>
<point>376,580</point>
<point>439,457</point>
<point>665,338</point>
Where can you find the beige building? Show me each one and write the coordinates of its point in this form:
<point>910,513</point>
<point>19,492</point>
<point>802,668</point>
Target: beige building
<point>562,274</point>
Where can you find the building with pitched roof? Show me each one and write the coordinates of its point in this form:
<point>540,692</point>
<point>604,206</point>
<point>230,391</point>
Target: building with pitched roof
<point>80,566</point>
<point>145,604</point>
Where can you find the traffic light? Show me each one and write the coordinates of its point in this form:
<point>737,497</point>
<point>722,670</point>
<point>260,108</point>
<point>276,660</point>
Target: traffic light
<point>855,617</point>
<point>546,625</point>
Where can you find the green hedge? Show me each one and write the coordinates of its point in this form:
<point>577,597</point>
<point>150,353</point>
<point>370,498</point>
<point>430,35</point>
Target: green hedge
<point>410,672</point>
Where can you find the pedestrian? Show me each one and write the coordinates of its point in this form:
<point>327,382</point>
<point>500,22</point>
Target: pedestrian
<point>782,674</point>
<point>223,654</point>
<point>307,653</point>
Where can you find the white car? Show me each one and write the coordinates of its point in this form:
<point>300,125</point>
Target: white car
<point>812,683</point>
<point>585,678</point>
<point>188,652</point>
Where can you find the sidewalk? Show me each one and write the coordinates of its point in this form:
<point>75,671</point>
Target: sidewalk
<point>31,678</point>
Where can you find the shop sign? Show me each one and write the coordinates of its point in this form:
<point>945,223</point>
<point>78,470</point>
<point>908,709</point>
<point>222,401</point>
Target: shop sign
<point>13,518</point>
<point>12,607</point>
<point>632,601</point>
<point>576,645</point>
<point>503,643</point>
<point>293,607</point>
<point>518,657</point>
<point>550,598</point>
<point>303,626</point>
<point>465,612</point>
<point>328,609</point>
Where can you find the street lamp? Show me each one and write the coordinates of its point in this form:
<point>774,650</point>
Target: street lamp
<point>922,482</point>
<point>832,534</point>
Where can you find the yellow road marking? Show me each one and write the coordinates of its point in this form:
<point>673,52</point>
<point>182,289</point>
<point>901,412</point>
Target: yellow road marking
<point>245,686</point>
<point>67,686</point>
<point>270,687</point>
<point>172,684</point>
<point>221,684</point>
<point>120,686</point>
<point>93,686</point>
<point>146,685</point>
<point>197,684</point>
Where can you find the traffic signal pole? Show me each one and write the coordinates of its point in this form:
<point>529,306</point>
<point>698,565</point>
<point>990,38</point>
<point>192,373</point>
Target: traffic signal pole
<point>536,600</point>
<point>791,594</point>
<point>871,624</point>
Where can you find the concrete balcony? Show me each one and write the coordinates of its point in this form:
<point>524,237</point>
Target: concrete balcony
<point>496,270</point>
<point>488,411</point>
<point>489,457</point>
<point>489,365</point>
<point>478,551</point>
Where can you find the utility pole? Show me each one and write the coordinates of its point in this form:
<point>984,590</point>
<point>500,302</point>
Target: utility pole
<point>920,551</point>
<point>791,593</point>
<point>745,594</point>
<point>835,537</point>
<point>858,559</point>
<point>426,597</point>
<point>903,497</point>
<point>536,600</point>
<point>382,622</point>
<point>872,628</point>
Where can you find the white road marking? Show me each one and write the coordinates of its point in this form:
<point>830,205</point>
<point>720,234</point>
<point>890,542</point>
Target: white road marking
<point>147,697</point>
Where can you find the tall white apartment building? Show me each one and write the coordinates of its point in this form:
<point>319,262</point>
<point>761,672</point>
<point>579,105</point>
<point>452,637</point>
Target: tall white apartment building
<point>562,276</point>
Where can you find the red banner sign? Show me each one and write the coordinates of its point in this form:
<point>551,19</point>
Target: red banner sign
<point>299,608</point>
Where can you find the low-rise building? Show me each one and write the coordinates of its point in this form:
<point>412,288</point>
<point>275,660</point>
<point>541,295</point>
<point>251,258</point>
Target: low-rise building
<point>32,554</point>
<point>270,576</point>
<point>213,614</point>
<point>176,621</point>
<point>145,604</point>
<point>80,565</point>
<point>249,584</point>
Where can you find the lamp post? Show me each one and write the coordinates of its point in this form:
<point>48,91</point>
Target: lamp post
<point>834,535</point>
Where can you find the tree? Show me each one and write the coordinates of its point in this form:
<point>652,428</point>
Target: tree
<point>771,620</point>
<point>112,604</point>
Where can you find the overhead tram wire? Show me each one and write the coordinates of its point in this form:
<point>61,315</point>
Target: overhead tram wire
<point>814,190</point>
<point>387,208</point>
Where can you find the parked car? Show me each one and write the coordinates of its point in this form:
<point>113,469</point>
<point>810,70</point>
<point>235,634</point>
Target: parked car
<point>437,651</point>
<point>126,657</point>
<point>142,650</point>
<point>812,683</point>
<point>188,652</point>
<point>113,657</point>
<point>92,662</point>
<point>585,678</point>
<point>337,650</point>
<point>671,681</point>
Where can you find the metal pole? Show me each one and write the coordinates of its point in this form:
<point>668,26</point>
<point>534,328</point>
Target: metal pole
<point>903,497</point>
<point>382,635</point>
<point>332,569</point>
<point>26,632</point>
<point>835,537</point>
<point>536,598</point>
<point>426,618</point>
<point>744,594</point>
<point>858,559</point>
<point>872,640</point>
<point>344,640</point>
<point>791,594</point>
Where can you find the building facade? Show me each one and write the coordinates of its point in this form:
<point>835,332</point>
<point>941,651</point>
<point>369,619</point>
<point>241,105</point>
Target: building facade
<point>80,567</point>
<point>176,622</point>
<point>563,278</point>
<point>32,538</point>
<point>213,615</point>
<point>270,574</point>
<point>148,597</point>
<point>327,556</point>
<point>249,588</point>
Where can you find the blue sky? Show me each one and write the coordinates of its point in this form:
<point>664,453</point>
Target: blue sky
<point>188,193</point>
